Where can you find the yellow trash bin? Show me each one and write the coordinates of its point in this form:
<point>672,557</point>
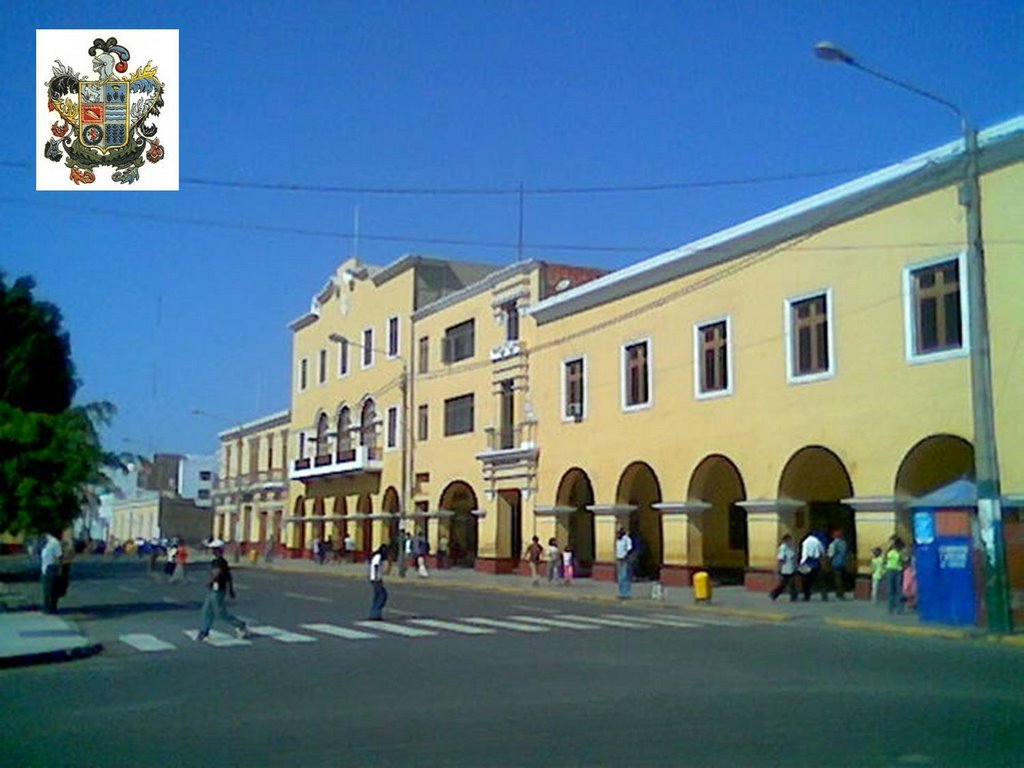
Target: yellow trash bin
<point>254,554</point>
<point>702,587</point>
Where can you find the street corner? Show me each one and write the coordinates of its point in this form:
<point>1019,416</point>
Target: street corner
<point>29,638</point>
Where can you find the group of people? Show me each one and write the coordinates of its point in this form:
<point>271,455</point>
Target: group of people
<point>333,551</point>
<point>561,562</point>
<point>825,565</point>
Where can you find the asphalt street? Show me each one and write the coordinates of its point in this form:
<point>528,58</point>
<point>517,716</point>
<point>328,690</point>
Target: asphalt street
<point>467,678</point>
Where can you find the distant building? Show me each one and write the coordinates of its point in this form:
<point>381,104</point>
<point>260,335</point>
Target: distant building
<point>154,516</point>
<point>161,473</point>
<point>196,476</point>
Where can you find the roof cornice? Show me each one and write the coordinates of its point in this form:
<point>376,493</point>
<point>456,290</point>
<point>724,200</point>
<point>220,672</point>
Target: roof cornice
<point>999,145</point>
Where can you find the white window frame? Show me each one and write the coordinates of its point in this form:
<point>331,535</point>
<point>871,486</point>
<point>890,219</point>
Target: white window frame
<point>698,359</point>
<point>833,358</point>
<point>394,354</point>
<point>563,399</point>
<point>624,377</point>
<point>367,350</point>
<point>910,312</point>
<point>392,441</point>
<point>344,361</point>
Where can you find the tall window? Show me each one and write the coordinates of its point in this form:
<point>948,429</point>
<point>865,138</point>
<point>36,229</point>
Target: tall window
<point>573,381</point>
<point>344,432</point>
<point>368,426</point>
<point>367,347</point>
<point>459,342</point>
<point>712,348</point>
<point>458,415</point>
<point>392,431</point>
<point>636,374</point>
<point>422,423</point>
<point>423,355</point>
<point>809,332</point>
<point>511,312</point>
<point>393,337</point>
<point>343,357</point>
<point>321,435</point>
<point>322,368</point>
<point>937,309</point>
<point>303,373</point>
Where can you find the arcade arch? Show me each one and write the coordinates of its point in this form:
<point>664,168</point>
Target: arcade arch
<point>639,487</point>
<point>575,490</point>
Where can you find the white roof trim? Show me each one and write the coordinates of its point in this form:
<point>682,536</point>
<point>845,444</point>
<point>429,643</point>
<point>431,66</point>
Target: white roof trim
<point>999,145</point>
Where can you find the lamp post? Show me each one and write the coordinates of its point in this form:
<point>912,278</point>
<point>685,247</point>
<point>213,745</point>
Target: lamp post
<point>238,476</point>
<point>986,463</point>
<point>406,431</point>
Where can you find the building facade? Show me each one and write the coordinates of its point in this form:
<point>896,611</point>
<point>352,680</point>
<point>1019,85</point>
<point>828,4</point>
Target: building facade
<point>807,370</point>
<point>251,487</point>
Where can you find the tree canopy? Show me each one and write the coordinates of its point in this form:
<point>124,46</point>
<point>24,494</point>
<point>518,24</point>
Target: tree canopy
<point>51,457</point>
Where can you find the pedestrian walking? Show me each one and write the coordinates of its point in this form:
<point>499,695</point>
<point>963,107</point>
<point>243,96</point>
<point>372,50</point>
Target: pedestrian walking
<point>49,565</point>
<point>811,553</point>
<point>350,547</point>
<point>220,586</point>
<point>786,559</point>
<point>567,566</point>
<point>877,572</point>
<point>421,548</point>
<point>554,560</point>
<point>838,555</point>
<point>380,594</point>
<point>67,555</point>
<point>170,559</point>
<point>623,548</point>
<point>533,554</point>
<point>180,561</point>
<point>894,574</point>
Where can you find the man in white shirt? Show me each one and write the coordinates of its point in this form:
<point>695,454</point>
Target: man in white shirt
<point>49,561</point>
<point>623,546</point>
<point>786,559</point>
<point>380,594</point>
<point>811,552</point>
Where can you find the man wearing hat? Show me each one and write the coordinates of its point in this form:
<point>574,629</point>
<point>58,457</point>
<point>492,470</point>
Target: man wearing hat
<point>221,586</point>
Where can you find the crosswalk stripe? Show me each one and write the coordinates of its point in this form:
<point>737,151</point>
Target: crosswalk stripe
<point>499,624</point>
<point>396,629</point>
<point>452,626</point>
<point>553,622</point>
<point>218,639</point>
<point>344,632</point>
<point>604,621</point>
<point>281,635</point>
<point>146,643</point>
<point>662,621</point>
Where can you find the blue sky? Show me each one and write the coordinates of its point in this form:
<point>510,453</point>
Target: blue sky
<point>182,301</point>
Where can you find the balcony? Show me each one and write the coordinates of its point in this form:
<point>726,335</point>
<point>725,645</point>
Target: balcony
<point>506,350</point>
<point>508,445</point>
<point>346,462</point>
<point>268,479</point>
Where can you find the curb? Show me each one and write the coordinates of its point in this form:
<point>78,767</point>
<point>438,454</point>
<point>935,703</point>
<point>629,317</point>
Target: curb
<point>916,631</point>
<point>51,657</point>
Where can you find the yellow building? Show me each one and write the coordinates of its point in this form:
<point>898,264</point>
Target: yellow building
<point>154,516</point>
<point>251,489</point>
<point>805,370</point>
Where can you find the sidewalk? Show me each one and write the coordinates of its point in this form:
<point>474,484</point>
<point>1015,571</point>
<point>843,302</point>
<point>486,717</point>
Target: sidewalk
<point>728,601</point>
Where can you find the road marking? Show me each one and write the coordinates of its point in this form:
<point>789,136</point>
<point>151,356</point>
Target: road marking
<point>133,590</point>
<point>553,622</point>
<point>242,587</point>
<point>348,634</point>
<point>506,625</point>
<point>451,626</point>
<point>281,635</point>
<point>537,608</point>
<point>218,639</point>
<point>395,629</point>
<point>663,621</point>
<point>146,643</point>
<point>604,622</point>
<point>397,612</point>
<point>312,598</point>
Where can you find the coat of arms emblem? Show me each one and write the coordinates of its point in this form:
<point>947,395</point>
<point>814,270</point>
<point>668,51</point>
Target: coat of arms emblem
<point>103,120</point>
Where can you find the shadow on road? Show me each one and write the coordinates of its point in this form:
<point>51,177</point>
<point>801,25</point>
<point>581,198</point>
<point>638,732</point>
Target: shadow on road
<point>103,611</point>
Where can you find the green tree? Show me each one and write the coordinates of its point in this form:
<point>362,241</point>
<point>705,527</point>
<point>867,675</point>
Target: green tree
<point>51,457</point>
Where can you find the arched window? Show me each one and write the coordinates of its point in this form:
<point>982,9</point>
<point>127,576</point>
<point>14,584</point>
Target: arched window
<point>344,429</point>
<point>368,427</point>
<point>322,425</point>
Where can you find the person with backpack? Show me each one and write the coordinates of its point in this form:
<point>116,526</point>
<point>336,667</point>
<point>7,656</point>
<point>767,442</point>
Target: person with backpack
<point>220,587</point>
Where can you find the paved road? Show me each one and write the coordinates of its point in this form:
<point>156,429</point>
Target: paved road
<point>460,678</point>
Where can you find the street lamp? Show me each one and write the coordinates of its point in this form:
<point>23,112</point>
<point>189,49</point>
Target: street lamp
<point>986,464</point>
<point>403,386</point>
